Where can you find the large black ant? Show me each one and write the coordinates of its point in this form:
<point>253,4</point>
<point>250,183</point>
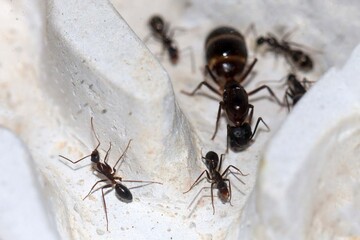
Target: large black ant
<point>108,172</point>
<point>295,56</point>
<point>218,181</point>
<point>226,57</point>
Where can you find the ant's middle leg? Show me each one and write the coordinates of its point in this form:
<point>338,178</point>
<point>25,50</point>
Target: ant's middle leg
<point>217,120</point>
<point>269,90</point>
<point>237,169</point>
<point>197,180</point>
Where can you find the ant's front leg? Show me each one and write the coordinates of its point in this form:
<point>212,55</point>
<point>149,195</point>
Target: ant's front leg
<point>197,180</point>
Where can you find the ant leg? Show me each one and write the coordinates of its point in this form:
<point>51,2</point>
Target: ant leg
<point>248,70</point>
<point>257,123</point>
<point>217,120</point>
<point>93,129</point>
<point>74,162</point>
<point>103,180</point>
<point>192,58</point>
<point>232,166</point>
<point>103,197</point>
<point>212,197</point>
<point>106,156</point>
<point>221,159</point>
<point>287,96</point>
<point>250,116</point>
<point>197,180</point>
<point>139,181</point>
<point>270,91</point>
<point>227,180</point>
<point>94,151</point>
<point>199,86</point>
<point>127,147</point>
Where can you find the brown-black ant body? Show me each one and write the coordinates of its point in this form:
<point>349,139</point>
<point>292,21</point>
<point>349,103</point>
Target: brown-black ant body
<point>109,175</point>
<point>295,89</point>
<point>217,179</point>
<point>160,31</point>
<point>226,57</point>
<point>296,57</point>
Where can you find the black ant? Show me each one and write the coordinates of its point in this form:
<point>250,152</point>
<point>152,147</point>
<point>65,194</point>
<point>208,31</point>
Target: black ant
<point>295,89</point>
<point>211,161</point>
<point>108,172</point>
<point>160,31</point>
<point>226,57</point>
<point>297,57</point>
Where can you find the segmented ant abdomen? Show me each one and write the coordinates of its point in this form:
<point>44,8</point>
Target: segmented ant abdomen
<point>239,137</point>
<point>223,192</point>
<point>226,52</point>
<point>123,193</point>
<point>301,60</point>
<point>173,53</point>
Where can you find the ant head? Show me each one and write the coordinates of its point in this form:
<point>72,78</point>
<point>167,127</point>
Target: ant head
<point>291,77</point>
<point>260,41</point>
<point>211,160</point>
<point>95,156</point>
<point>223,192</point>
<point>239,136</point>
<point>302,60</point>
<point>123,193</point>
<point>157,23</point>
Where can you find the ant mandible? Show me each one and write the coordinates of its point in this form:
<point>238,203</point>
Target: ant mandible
<point>226,57</point>
<point>211,161</point>
<point>109,174</point>
<point>296,57</point>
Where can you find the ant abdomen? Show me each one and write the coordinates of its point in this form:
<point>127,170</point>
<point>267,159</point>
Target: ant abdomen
<point>226,52</point>
<point>301,60</point>
<point>223,191</point>
<point>123,193</point>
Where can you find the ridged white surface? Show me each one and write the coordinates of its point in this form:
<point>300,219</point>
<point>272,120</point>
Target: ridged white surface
<point>66,61</point>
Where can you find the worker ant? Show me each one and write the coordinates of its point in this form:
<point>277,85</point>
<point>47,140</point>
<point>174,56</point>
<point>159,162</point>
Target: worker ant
<point>108,174</point>
<point>160,31</point>
<point>296,57</point>
<point>226,57</point>
<point>218,181</point>
<point>295,89</point>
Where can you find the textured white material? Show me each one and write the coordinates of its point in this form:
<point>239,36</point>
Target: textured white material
<point>311,189</point>
<point>21,202</point>
<point>86,61</point>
